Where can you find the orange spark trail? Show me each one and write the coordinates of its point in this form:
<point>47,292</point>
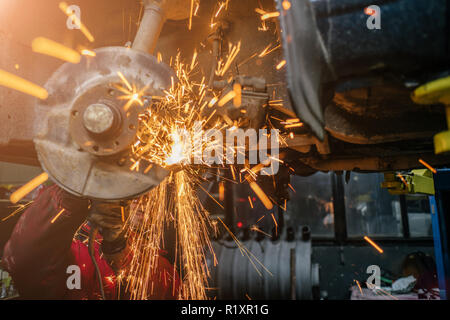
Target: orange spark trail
<point>373,244</point>
<point>270,15</point>
<point>294,125</point>
<point>54,49</point>
<point>230,95</point>
<point>220,8</point>
<point>122,77</point>
<point>261,195</point>
<point>281,64</point>
<point>57,216</point>
<point>221,191</point>
<point>403,180</point>
<point>190,15</point>
<point>17,195</point>
<point>212,102</point>
<point>250,201</point>
<point>428,166</point>
<point>14,82</point>
<point>275,222</point>
<point>237,99</point>
<point>359,286</point>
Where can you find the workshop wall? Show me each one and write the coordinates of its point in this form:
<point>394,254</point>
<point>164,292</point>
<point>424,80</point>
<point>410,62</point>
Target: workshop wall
<point>11,173</point>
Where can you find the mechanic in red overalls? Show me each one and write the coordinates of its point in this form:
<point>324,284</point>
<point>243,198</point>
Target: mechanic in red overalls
<point>41,248</point>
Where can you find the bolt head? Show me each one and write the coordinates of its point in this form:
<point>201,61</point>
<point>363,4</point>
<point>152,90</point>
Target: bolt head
<point>98,118</point>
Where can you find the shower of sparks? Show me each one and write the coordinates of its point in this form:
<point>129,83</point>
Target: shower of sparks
<point>290,186</point>
<point>65,8</point>
<point>373,244</point>
<point>17,195</point>
<point>173,201</point>
<point>54,49</point>
<point>167,130</point>
<point>428,166</point>
<point>16,83</point>
<point>171,125</point>
<point>223,66</point>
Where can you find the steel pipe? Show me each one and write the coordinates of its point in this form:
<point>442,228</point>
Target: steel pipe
<point>155,14</point>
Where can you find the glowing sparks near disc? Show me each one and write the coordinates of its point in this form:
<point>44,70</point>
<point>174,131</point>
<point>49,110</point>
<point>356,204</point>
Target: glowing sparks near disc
<point>124,80</point>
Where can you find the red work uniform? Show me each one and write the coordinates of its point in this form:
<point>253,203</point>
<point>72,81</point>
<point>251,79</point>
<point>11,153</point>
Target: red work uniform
<point>39,252</point>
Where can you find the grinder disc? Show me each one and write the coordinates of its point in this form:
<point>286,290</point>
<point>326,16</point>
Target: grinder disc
<point>81,153</point>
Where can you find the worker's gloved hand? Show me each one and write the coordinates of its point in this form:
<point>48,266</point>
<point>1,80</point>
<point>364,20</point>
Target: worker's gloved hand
<point>108,217</point>
<point>69,201</point>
